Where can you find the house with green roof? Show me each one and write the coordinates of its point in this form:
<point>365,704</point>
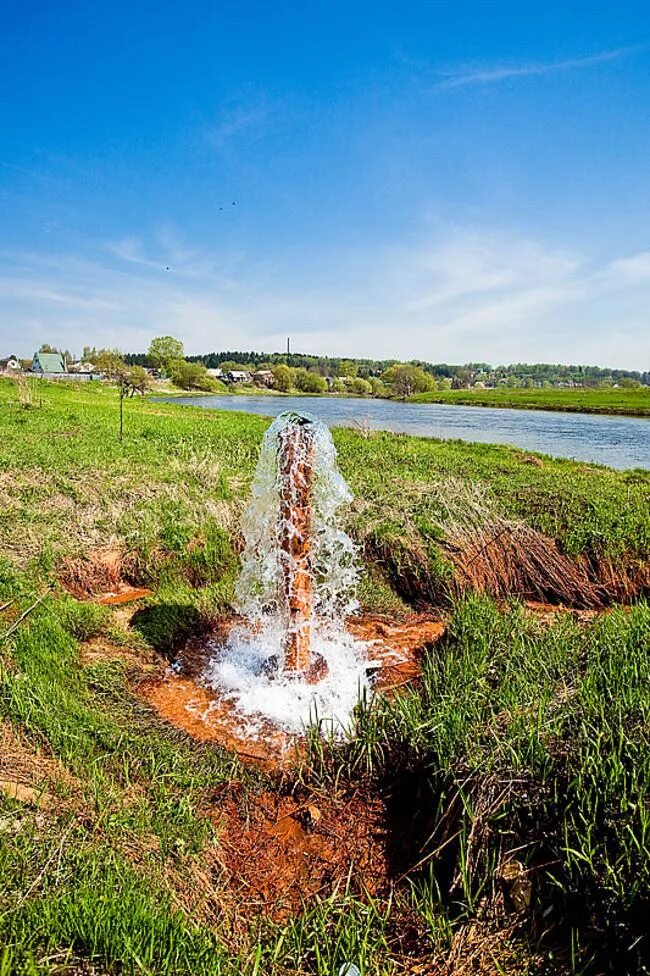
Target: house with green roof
<point>48,362</point>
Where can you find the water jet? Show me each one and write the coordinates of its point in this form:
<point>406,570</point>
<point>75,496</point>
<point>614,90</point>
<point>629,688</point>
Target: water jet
<point>296,653</point>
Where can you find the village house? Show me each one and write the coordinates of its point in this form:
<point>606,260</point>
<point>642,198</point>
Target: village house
<point>216,374</point>
<point>238,376</point>
<point>263,377</point>
<point>82,367</point>
<point>52,365</point>
<point>48,363</point>
<point>9,365</point>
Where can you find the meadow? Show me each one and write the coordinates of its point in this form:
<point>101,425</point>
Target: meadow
<point>508,785</point>
<point>629,402</point>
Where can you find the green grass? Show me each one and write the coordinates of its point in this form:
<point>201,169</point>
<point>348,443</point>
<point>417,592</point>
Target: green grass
<point>633,403</point>
<point>525,740</point>
<point>172,492</point>
<point>532,743</point>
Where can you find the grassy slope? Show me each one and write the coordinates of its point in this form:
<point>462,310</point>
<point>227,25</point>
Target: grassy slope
<point>629,402</point>
<point>109,870</point>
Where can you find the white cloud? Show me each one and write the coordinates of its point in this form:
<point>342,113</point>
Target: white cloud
<point>467,294</point>
<point>493,75</point>
<point>634,268</point>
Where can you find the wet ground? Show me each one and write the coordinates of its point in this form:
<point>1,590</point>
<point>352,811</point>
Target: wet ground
<point>180,697</point>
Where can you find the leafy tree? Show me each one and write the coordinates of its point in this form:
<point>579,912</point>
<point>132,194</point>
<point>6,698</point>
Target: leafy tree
<point>405,380</point>
<point>338,386</point>
<point>130,379</point>
<point>282,378</point>
<point>191,376</point>
<point>347,367</point>
<point>361,387</point>
<point>135,379</point>
<point>163,350</point>
<point>109,361</point>
<point>308,382</point>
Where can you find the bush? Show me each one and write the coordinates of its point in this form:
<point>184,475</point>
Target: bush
<point>191,376</point>
<point>308,382</point>
<point>282,378</point>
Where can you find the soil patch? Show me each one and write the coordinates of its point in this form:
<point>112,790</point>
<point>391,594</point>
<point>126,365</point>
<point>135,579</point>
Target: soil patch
<point>178,695</point>
<point>102,575</point>
<point>32,776</point>
<point>279,852</point>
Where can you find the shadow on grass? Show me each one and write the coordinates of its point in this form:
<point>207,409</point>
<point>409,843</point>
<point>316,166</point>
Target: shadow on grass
<point>166,626</point>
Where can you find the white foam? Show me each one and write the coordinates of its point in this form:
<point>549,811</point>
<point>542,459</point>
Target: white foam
<point>241,672</point>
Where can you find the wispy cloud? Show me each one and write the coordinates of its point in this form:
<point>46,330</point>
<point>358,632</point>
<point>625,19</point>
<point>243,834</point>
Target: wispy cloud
<point>247,119</point>
<point>167,254</point>
<point>634,268</point>
<point>462,293</point>
<point>493,75</point>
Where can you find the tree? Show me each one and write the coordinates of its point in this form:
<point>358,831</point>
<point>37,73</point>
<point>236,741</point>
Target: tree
<point>361,387</point>
<point>163,350</point>
<point>405,380</point>
<point>309,382</point>
<point>282,378</point>
<point>130,379</point>
<point>191,376</point>
<point>135,379</point>
<point>347,368</point>
<point>338,386</point>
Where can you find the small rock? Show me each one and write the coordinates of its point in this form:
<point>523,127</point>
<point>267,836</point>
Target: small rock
<point>313,813</point>
<point>518,885</point>
<point>26,794</point>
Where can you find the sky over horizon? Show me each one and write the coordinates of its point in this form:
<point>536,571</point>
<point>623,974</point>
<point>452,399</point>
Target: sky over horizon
<point>448,182</point>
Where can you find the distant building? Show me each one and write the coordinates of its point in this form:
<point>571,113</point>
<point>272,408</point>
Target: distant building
<point>216,374</point>
<point>10,365</point>
<point>48,362</point>
<point>263,377</point>
<point>238,376</point>
<point>51,366</point>
<point>82,368</point>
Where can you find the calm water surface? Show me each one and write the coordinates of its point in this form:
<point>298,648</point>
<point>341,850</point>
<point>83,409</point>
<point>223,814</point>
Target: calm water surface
<point>620,442</point>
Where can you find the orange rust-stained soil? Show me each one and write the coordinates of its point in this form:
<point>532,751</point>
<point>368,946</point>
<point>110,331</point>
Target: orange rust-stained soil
<point>127,594</point>
<point>280,851</point>
<point>206,717</point>
<point>396,646</point>
<point>394,652</point>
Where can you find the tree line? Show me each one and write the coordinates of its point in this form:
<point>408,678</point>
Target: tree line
<point>461,376</point>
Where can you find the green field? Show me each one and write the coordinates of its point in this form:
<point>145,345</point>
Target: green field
<point>633,403</point>
<point>523,748</point>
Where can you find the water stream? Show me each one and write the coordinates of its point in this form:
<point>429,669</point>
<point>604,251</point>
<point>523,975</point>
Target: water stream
<point>620,442</point>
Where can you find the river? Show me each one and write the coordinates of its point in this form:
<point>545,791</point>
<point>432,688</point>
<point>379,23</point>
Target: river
<point>620,442</point>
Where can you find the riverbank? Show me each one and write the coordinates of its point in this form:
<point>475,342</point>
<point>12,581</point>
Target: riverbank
<point>500,794</point>
<point>622,402</point>
<point>619,442</point>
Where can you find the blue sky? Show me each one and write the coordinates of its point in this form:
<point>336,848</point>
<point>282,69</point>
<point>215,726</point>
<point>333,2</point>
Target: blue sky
<point>444,181</point>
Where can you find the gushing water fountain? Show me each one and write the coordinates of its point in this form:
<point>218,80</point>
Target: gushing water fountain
<point>290,657</point>
<point>292,660</point>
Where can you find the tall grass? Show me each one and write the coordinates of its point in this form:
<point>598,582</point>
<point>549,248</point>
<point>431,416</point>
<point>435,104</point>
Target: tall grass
<point>532,744</point>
